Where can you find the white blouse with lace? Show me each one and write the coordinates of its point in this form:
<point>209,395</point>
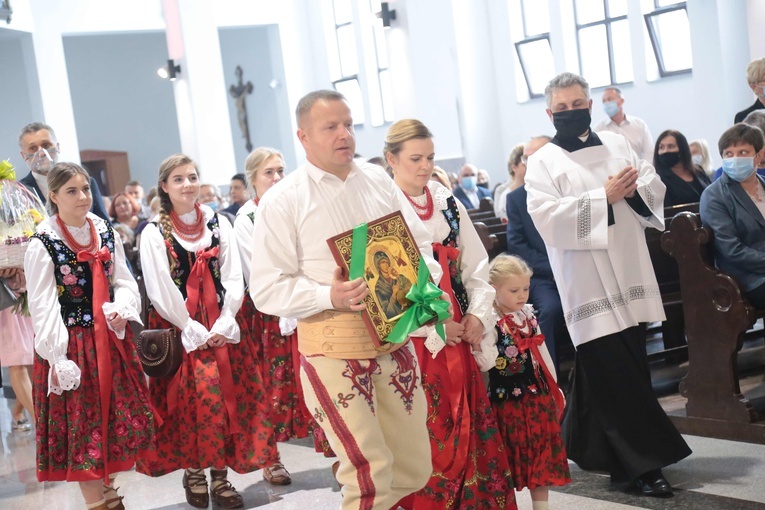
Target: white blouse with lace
<point>167,298</point>
<point>51,335</point>
<point>473,263</point>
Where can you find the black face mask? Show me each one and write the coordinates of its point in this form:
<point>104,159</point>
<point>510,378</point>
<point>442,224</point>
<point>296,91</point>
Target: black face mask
<point>484,185</point>
<point>669,159</point>
<point>572,123</point>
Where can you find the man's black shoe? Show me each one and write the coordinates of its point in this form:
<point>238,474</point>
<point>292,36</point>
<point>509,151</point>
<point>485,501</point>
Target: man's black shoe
<point>654,484</point>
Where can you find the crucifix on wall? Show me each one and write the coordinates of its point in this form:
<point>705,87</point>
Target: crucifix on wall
<point>239,92</point>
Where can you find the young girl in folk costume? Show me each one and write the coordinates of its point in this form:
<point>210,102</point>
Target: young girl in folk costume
<point>275,338</point>
<point>92,408</point>
<point>523,388</point>
<point>214,406</point>
<point>470,469</point>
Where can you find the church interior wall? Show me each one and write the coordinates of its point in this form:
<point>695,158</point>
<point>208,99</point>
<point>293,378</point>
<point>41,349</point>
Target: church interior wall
<point>451,63</point>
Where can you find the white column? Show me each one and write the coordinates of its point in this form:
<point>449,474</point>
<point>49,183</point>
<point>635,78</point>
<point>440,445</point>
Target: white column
<point>49,61</point>
<point>481,126</point>
<point>200,90</point>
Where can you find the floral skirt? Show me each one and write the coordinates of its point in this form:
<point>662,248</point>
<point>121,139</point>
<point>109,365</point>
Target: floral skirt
<point>285,398</point>
<point>533,441</point>
<point>71,444</point>
<point>197,434</point>
<point>470,468</point>
<point>275,355</point>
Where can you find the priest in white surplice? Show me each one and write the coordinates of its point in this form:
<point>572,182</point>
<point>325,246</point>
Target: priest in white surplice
<point>590,196</point>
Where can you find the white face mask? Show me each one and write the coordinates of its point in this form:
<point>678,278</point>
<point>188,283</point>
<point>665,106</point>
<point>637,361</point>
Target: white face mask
<point>697,159</point>
<point>43,161</point>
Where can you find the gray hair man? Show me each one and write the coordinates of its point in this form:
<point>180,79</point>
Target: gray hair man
<point>590,197</point>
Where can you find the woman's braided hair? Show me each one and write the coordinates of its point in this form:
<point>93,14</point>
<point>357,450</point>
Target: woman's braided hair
<point>165,205</point>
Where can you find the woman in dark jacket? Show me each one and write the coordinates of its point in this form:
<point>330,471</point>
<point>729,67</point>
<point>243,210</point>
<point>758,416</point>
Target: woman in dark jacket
<point>672,158</point>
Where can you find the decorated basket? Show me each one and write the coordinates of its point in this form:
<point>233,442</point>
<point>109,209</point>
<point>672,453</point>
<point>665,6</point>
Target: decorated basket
<point>20,213</point>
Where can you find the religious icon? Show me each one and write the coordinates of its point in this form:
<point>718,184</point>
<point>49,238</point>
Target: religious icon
<point>390,269</point>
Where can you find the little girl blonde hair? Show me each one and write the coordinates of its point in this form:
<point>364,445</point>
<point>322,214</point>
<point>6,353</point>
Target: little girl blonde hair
<point>503,266</point>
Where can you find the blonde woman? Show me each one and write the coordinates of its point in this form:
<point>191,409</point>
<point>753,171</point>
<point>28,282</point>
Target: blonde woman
<point>470,469</point>
<point>213,406</point>
<point>92,408</point>
<point>275,337</point>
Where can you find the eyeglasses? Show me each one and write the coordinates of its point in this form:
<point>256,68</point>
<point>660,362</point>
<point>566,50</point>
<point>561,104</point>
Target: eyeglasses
<point>524,159</point>
<point>49,149</point>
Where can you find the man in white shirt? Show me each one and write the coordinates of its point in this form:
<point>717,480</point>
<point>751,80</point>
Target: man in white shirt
<point>590,198</point>
<point>633,128</point>
<point>369,402</point>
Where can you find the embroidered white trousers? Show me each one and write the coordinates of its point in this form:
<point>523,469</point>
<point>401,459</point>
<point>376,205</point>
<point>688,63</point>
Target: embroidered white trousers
<point>373,413</point>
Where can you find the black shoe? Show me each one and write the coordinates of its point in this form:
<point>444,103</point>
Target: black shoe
<point>654,484</point>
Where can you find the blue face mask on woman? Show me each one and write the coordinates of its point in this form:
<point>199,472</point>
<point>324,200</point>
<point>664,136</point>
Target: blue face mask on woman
<point>738,169</point>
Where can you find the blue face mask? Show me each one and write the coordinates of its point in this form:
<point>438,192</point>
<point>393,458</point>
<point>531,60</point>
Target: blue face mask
<point>738,169</point>
<point>611,108</point>
<point>469,183</point>
<point>212,205</point>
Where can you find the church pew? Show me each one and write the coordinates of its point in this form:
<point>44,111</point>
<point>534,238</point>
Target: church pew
<point>717,317</point>
<point>668,278</point>
<point>489,240</point>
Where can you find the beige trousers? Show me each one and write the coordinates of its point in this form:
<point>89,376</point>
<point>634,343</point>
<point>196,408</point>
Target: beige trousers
<point>373,413</point>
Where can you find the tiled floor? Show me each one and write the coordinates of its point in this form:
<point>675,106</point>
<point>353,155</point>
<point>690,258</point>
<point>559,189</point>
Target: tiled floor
<point>720,474</point>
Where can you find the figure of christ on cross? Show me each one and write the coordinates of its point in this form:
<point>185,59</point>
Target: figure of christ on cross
<point>239,92</point>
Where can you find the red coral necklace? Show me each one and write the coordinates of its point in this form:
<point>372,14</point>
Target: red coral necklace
<point>189,233</point>
<point>91,247</point>
<point>425,212</point>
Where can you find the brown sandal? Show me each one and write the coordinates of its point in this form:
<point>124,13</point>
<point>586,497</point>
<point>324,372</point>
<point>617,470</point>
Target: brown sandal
<point>196,478</point>
<point>117,498</point>
<point>217,491</point>
<point>276,474</point>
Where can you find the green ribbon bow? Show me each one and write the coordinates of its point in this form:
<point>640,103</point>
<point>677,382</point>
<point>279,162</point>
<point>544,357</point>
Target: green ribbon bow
<point>424,295</point>
<point>426,305</point>
<point>7,171</point>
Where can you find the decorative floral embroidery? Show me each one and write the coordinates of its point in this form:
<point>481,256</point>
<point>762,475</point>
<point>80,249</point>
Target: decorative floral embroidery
<point>73,278</point>
<point>452,215</point>
<point>404,379</point>
<point>186,260</point>
<point>342,400</point>
<point>360,373</point>
<point>515,373</point>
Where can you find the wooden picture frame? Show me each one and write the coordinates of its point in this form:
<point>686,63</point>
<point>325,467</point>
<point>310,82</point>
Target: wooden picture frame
<point>392,262</point>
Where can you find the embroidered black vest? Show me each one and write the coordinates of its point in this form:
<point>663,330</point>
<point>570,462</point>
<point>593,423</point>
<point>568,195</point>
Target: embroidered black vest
<point>515,374</point>
<point>186,261</point>
<point>452,215</point>
<point>74,280</point>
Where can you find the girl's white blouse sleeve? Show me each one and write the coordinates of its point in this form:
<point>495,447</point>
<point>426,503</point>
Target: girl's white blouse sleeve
<point>51,335</point>
<point>127,299</point>
<point>243,227</point>
<point>231,279</point>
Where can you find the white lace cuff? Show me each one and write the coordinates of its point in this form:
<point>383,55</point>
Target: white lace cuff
<point>193,335</point>
<point>287,326</point>
<point>226,326</point>
<point>433,342</point>
<point>124,311</point>
<point>68,375</point>
<point>482,305</point>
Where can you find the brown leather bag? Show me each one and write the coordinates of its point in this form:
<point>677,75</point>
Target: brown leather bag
<point>160,352</point>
